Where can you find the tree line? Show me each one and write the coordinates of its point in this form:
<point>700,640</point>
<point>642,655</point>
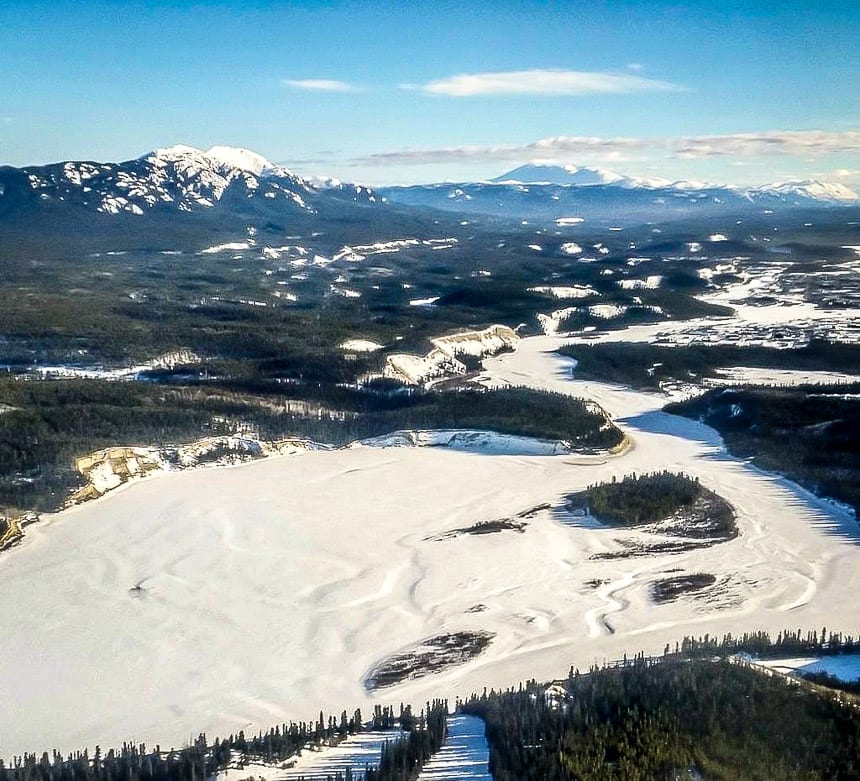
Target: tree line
<point>51,423</point>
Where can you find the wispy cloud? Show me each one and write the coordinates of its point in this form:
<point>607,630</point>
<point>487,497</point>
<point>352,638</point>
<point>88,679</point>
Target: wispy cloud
<point>543,82</point>
<point>813,143</point>
<point>544,149</point>
<point>320,85</point>
<point>788,143</point>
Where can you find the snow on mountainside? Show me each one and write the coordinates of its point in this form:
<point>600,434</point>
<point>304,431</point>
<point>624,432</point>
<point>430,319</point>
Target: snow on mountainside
<point>820,191</point>
<point>243,159</point>
<point>179,178</point>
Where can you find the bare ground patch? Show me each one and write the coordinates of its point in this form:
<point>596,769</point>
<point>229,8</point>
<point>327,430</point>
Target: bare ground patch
<point>430,656</point>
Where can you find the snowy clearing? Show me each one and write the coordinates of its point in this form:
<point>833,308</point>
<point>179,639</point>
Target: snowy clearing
<point>745,375</point>
<point>564,292</point>
<point>360,346</point>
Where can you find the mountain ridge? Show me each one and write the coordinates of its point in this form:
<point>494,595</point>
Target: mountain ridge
<point>178,178</point>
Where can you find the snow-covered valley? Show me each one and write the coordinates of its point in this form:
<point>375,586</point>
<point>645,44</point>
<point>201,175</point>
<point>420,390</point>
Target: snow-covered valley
<point>237,597</point>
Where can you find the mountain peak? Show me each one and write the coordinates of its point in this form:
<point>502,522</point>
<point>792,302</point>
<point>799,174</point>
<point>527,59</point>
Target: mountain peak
<point>230,156</point>
<point>577,176</point>
<point>243,159</point>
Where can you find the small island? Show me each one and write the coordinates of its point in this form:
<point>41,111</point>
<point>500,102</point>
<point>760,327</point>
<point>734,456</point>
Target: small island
<point>680,504</point>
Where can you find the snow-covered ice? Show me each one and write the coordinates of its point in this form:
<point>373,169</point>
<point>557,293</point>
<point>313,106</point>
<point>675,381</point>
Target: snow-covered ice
<point>239,597</point>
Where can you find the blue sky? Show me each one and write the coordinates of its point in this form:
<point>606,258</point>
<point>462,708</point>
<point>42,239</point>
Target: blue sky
<point>744,92</point>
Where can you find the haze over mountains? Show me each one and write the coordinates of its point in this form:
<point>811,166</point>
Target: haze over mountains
<point>547,192</point>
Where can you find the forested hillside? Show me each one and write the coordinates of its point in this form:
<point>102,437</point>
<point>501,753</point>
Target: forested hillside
<point>718,721</point>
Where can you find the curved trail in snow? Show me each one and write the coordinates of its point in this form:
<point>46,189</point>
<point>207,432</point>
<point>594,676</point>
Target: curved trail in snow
<point>269,589</point>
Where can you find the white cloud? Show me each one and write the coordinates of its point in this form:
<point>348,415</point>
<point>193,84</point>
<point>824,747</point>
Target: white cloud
<point>787,143</point>
<point>543,82</point>
<point>849,175</point>
<point>320,85</point>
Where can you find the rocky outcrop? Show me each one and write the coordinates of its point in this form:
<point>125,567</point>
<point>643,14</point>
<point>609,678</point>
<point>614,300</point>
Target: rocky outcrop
<point>110,468</point>
<point>12,529</point>
<point>444,359</point>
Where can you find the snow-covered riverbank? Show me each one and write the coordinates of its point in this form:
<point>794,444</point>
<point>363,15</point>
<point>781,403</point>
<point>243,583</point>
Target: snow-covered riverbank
<point>224,599</point>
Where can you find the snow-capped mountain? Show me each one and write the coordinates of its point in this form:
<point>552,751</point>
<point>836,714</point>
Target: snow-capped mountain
<point>535,173</point>
<point>177,178</point>
<point>583,176</point>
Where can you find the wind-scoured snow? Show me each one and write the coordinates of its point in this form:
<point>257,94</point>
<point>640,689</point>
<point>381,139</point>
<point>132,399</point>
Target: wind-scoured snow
<point>239,597</point>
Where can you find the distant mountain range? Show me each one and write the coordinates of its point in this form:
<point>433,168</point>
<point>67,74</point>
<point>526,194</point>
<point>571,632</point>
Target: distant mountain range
<point>569,194</point>
<point>231,189</point>
<point>572,175</point>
